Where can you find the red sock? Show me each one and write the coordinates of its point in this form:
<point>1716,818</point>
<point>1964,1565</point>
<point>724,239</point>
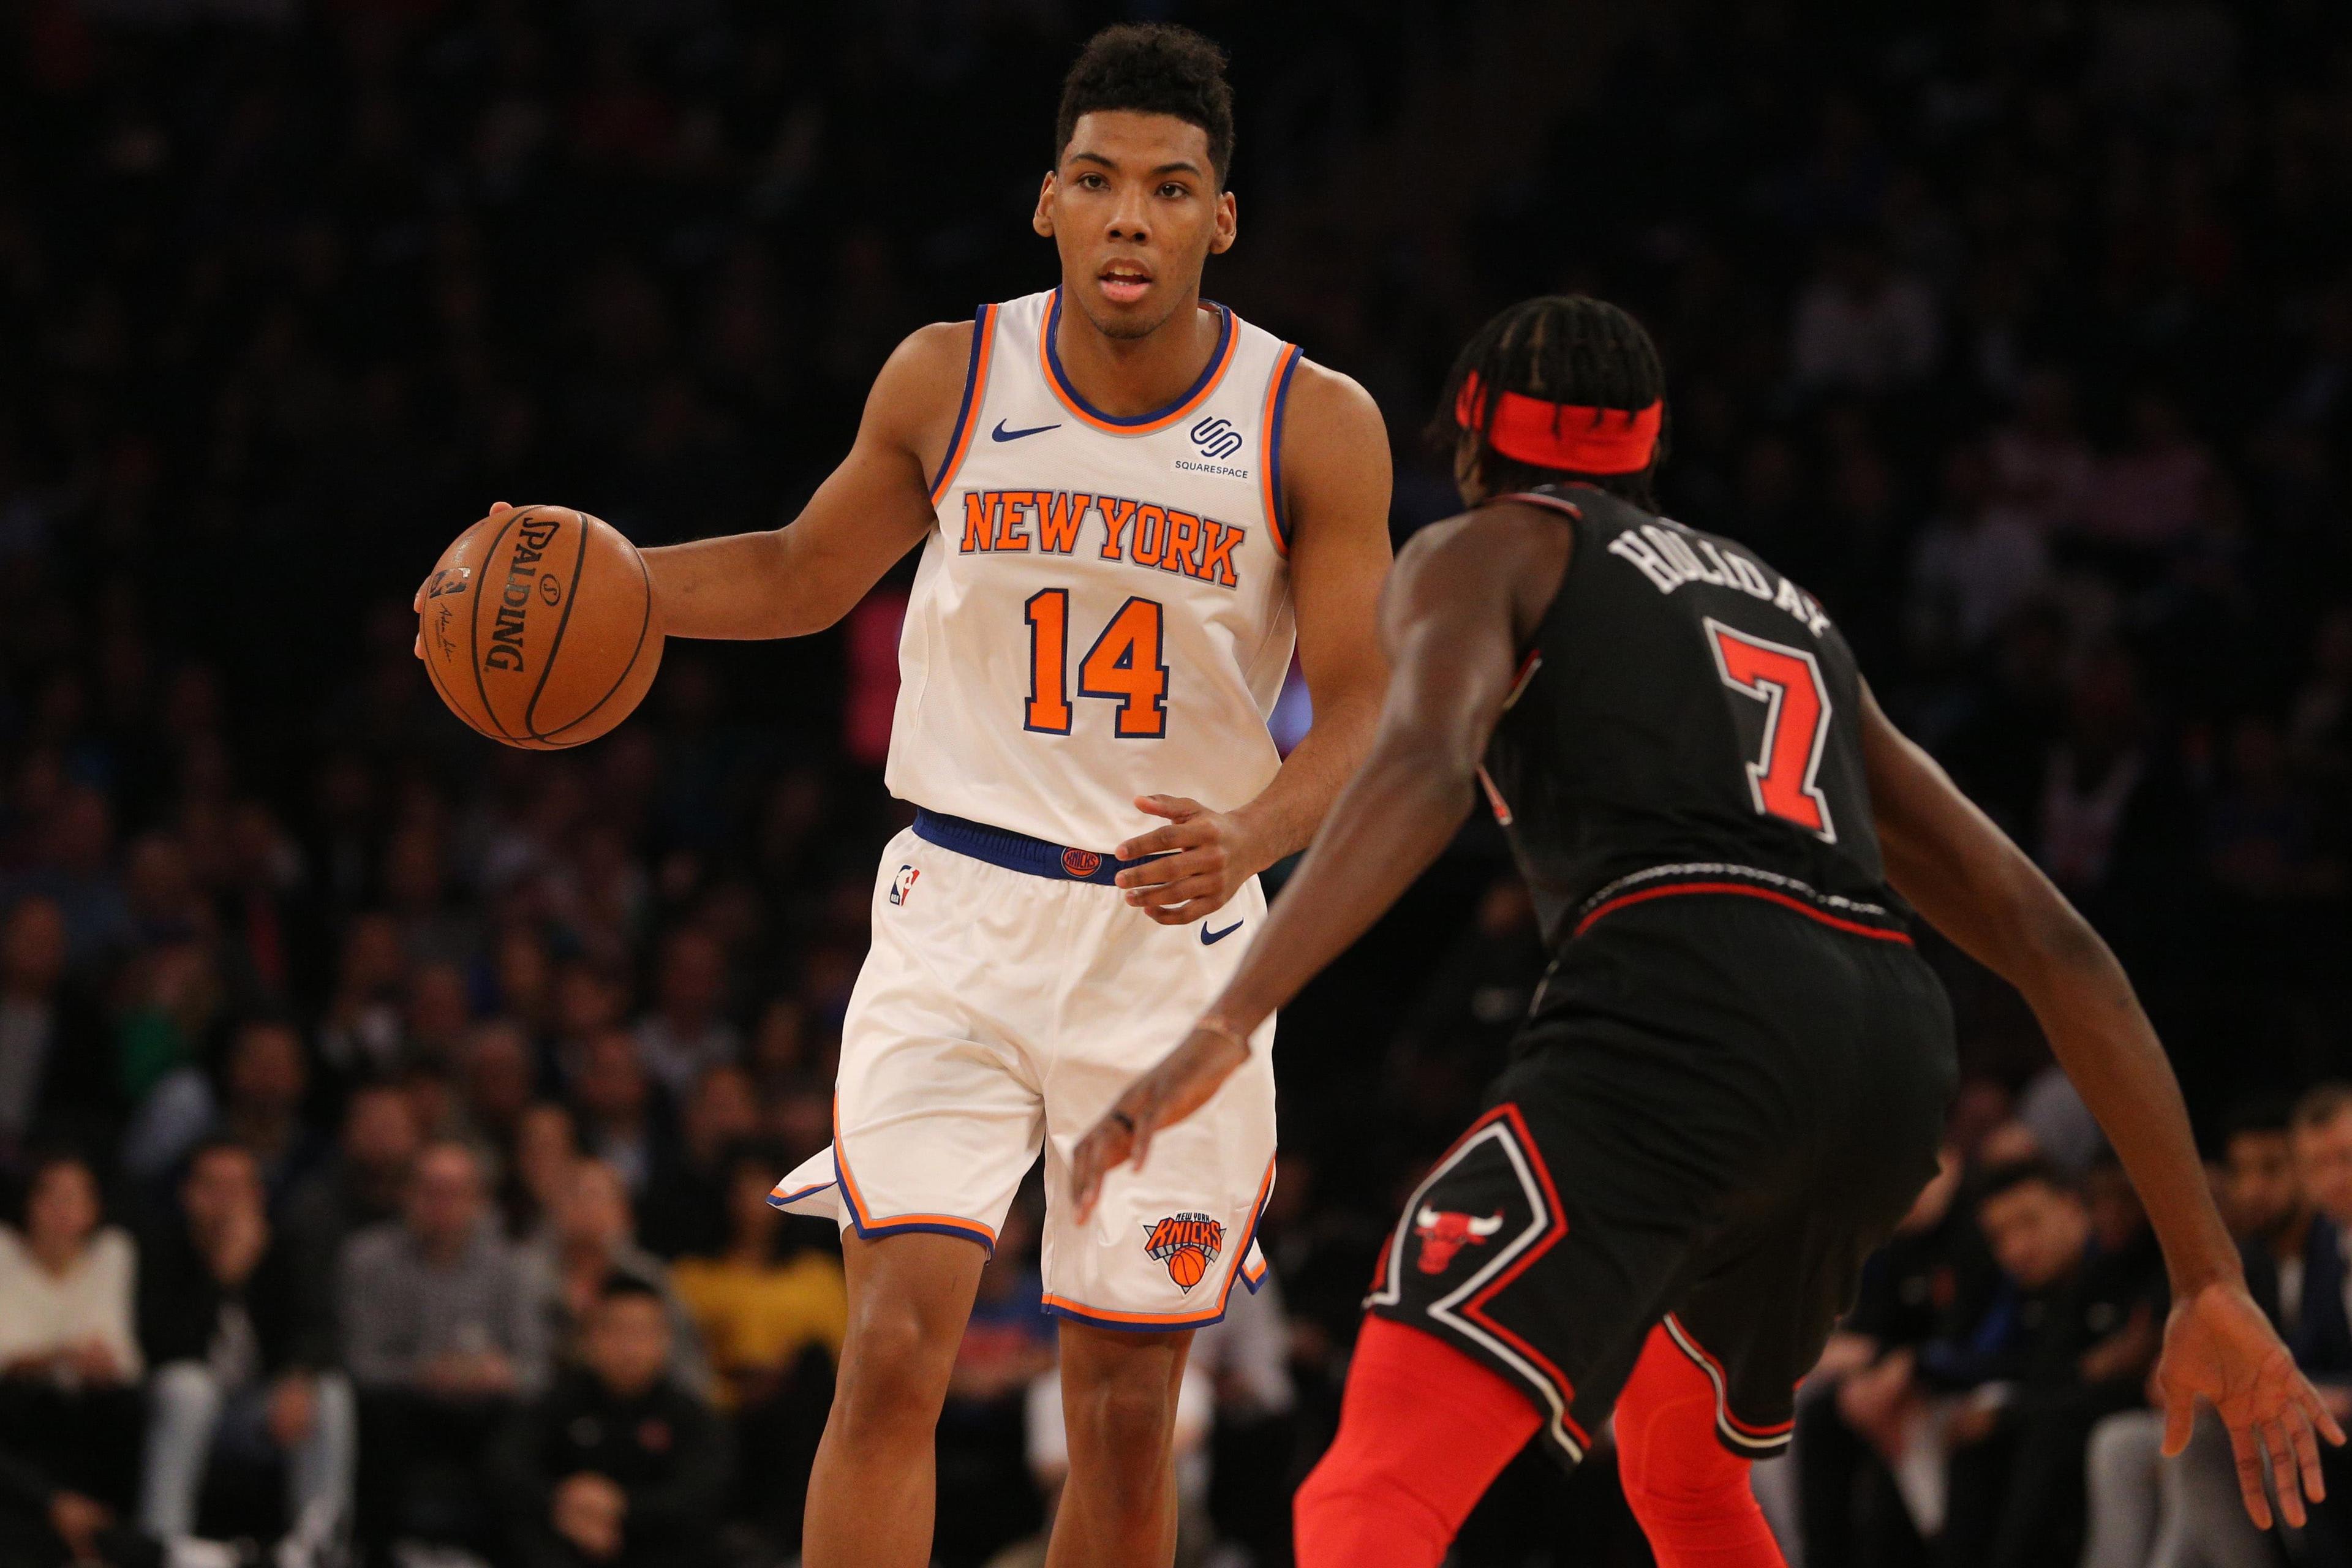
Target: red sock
<point>1423,1431</point>
<point>1690,1493</point>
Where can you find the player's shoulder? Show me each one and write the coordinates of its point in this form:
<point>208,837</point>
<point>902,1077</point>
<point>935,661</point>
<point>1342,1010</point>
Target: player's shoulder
<point>934,352</point>
<point>1326,404</point>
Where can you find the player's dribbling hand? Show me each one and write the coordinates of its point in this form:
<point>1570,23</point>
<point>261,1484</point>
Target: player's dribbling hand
<point>417,604</point>
<point>2219,1347</point>
<point>1202,859</point>
<point>1180,1085</point>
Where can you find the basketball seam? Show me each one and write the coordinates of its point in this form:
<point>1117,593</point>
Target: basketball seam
<point>473,653</point>
<point>644,622</point>
<point>547,670</point>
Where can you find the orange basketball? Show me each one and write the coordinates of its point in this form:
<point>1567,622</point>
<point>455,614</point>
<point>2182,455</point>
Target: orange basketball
<point>1185,1266</point>
<point>540,628</point>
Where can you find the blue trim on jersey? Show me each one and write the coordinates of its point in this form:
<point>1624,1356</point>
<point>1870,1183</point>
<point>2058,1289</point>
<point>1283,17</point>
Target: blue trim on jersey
<point>1017,851</point>
<point>1208,372</point>
<point>1277,512</point>
<point>964,409</point>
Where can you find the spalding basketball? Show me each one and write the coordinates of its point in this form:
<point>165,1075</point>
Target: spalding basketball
<point>1185,1266</point>
<point>539,627</point>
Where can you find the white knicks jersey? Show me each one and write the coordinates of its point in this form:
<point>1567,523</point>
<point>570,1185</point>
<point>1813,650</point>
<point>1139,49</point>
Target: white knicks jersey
<point>1104,610</point>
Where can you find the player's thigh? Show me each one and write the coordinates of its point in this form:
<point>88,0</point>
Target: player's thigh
<point>1120,1387</point>
<point>938,1110</point>
<point>1547,1239</point>
<point>1168,1243</point>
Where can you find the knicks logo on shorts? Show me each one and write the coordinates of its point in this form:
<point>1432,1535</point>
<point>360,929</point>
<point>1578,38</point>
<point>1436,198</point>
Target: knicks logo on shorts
<point>1081,863</point>
<point>903,884</point>
<point>1442,1233</point>
<point>1187,1243</point>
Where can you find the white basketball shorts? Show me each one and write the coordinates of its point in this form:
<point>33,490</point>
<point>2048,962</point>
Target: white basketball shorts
<point>1009,996</point>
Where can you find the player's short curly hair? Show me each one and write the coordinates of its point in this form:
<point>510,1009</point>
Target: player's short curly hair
<point>1152,67</point>
<point>1562,348</point>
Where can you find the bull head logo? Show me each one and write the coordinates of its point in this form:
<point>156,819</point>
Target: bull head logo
<point>1443,1233</point>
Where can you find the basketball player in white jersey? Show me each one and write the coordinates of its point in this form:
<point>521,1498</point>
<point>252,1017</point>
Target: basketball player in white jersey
<point>1131,503</point>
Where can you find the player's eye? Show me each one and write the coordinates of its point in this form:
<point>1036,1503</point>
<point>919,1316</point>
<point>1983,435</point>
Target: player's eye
<point>1175,190</point>
<point>1094,183</point>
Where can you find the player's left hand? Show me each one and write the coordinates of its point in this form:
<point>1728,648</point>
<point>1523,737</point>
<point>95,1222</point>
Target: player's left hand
<point>1203,857</point>
<point>2219,1347</point>
<point>1180,1085</point>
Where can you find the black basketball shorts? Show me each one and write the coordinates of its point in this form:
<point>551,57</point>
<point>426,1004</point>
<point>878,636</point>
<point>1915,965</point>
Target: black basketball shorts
<point>1721,1106</point>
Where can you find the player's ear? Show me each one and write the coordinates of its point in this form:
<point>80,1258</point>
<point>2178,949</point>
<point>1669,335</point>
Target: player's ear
<point>1227,225</point>
<point>1042,220</point>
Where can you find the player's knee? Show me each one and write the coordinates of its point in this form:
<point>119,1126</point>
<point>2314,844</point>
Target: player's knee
<point>1362,1503</point>
<point>894,1371</point>
<point>1124,1420</point>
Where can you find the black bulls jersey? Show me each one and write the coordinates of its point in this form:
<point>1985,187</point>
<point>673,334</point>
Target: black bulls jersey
<point>1684,715</point>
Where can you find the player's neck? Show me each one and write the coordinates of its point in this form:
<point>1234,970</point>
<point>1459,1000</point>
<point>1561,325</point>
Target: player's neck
<point>1126,377</point>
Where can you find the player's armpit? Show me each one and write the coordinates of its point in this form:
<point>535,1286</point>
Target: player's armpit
<point>870,511</point>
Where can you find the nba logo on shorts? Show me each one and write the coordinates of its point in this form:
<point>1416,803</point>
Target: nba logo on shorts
<point>903,884</point>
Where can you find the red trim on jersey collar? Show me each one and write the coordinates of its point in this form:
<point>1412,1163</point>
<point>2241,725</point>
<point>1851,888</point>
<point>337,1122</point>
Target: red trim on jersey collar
<point>1575,437</point>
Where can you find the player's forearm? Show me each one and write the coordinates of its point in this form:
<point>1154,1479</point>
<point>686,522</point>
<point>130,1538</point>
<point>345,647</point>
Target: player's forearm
<point>1389,823</point>
<point>738,585</point>
<point>1282,820</point>
<point>2103,1039</point>
<point>2000,908</point>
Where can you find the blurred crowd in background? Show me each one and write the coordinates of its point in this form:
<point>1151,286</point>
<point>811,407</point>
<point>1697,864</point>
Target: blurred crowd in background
<point>387,1117</point>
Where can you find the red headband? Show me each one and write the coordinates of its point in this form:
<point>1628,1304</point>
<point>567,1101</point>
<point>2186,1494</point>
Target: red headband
<point>1571,435</point>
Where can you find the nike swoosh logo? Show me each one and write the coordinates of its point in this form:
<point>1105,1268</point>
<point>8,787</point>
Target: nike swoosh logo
<point>1002,434</point>
<point>1210,938</point>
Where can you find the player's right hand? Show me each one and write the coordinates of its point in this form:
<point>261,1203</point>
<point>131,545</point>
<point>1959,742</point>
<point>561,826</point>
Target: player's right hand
<point>1180,1084</point>
<point>416,602</point>
<point>2219,1347</point>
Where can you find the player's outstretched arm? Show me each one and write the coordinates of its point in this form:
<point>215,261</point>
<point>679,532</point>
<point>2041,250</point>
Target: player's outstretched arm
<point>1466,596</point>
<point>1973,884</point>
<point>1336,481</point>
<point>868,514</point>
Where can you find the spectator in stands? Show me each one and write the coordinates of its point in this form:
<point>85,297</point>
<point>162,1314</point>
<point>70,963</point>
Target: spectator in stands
<point>441,1333</point>
<point>1860,326</point>
<point>2147,1511</point>
<point>686,1035</point>
<point>686,1208</point>
<point>498,1081</point>
<point>266,1080</point>
<point>244,1359</point>
<point>592,1241</point>
<point>54,1061</point>
<point>69,1360</point>
<point>1932,1279</point>
<point>616,1463</point>
<point>2084,1337</point>
<point>622,1113</point>
<point>772,1316</point>
<point>361,1184</point>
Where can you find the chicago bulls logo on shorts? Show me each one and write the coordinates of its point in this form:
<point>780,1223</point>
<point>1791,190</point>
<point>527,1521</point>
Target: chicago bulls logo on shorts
<point>1442,1233</point>
<point>1187,1243</point>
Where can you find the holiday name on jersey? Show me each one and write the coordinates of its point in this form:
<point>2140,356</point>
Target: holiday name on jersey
<point>1669,559</point>
<point>1049,522</point>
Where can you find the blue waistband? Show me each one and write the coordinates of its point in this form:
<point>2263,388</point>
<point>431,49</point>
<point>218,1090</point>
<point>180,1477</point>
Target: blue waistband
<point>1018,851</point>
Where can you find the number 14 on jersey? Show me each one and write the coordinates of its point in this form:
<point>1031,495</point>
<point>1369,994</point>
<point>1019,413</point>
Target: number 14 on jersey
<point>1124,666</point>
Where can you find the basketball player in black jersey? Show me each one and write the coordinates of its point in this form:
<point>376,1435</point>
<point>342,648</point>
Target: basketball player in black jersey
<point>1736,1072</point>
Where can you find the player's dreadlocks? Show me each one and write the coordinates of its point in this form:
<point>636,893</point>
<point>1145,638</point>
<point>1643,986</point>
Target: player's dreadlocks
<point>1561,348</point>
<point>1152,67</point>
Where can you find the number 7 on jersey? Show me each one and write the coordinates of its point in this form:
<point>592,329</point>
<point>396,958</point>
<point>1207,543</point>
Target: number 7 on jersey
<point>1788,681</point>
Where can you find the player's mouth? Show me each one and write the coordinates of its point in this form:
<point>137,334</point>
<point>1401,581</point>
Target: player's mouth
<point>1123,283</point>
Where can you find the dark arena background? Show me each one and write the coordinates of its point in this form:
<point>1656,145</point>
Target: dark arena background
<point>2021,332</point>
